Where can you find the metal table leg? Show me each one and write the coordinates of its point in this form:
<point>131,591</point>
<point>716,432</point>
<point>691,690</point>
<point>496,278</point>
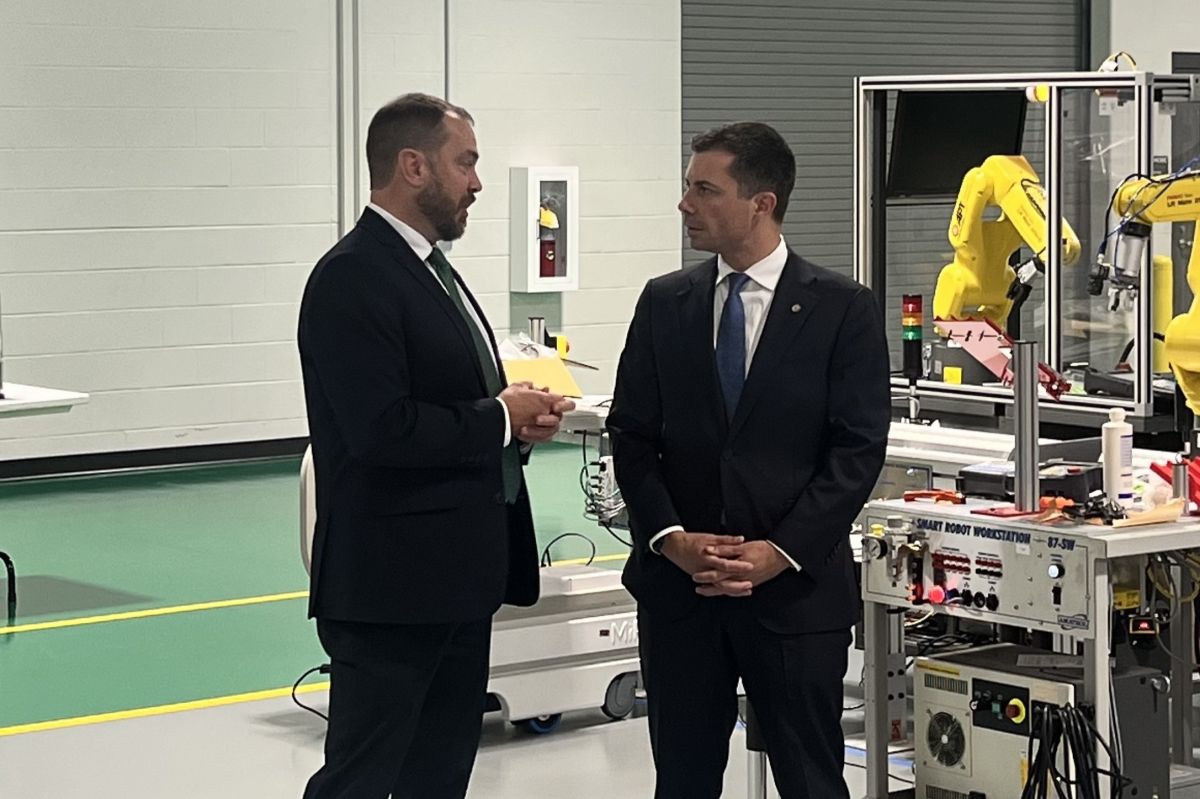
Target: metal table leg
<point>875,695</point>
<point>1183,647</point>
<point>756,753</point>
<point>1096,671</point>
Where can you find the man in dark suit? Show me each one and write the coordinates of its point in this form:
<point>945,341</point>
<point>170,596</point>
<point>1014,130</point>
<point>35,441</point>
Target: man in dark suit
<point>749,425</point>
<point>423,522</point>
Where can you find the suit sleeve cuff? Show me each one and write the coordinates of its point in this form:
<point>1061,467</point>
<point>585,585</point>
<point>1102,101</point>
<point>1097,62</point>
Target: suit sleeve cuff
<point>656,541</point>
<point>507,423</point>
<point>790,560</point>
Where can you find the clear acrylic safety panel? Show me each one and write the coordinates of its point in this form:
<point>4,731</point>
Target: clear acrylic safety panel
<point>918,246</point>
<point>1099,151</point>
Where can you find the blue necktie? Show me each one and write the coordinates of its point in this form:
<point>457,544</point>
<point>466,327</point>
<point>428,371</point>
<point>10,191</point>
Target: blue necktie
<point>731,344</point>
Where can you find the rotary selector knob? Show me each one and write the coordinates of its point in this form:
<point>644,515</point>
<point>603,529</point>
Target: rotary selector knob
<point>1056,571</point>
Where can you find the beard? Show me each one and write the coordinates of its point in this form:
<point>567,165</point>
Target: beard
<point>443,211</point>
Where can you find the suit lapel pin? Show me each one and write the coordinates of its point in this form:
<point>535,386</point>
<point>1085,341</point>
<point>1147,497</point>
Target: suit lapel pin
<point>796,308</point>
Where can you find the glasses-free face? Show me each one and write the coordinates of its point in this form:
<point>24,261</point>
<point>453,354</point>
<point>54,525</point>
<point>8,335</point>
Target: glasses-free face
<point>717,219</point>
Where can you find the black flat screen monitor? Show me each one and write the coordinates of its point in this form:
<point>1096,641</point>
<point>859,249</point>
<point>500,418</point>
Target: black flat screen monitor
<point>938,136</point>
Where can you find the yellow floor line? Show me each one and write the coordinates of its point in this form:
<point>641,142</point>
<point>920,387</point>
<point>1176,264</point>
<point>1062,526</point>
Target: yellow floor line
<point>151,612</point>
<point>597,559</point>
<point>159,710</point>
<point>216,605</point>
<point>198,704</point>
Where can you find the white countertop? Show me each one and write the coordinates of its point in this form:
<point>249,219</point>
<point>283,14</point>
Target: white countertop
<point>22,400</point>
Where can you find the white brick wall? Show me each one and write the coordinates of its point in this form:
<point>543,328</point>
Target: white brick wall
<point>591,84</point>
<point>1152,31</point>
<point>167,180</point>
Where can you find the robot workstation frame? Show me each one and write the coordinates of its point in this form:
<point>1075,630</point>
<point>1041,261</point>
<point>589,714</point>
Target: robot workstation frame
<point>1091,160</point>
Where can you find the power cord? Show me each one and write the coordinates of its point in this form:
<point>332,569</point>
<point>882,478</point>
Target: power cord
<point>1157,570</point>
<point>1066,733</point>
<point>613,533</point>
<point>861,678</point>
<point>545,559</point>
<point>323,669</point>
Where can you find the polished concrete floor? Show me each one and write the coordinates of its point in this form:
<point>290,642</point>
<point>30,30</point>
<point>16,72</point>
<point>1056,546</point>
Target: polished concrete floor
<point>267,749</point>
<point>143,592</point>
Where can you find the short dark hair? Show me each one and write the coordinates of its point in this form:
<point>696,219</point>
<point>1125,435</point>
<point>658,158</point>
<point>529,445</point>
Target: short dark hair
<point>762,160</point>
<point>411,121</point>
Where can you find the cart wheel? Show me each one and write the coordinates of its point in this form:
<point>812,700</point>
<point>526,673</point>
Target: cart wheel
<point>543,725</point>
<point>621,696</point>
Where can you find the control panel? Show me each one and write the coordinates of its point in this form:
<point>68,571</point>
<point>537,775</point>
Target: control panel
<point>977,566</point>
<point>975,711</point>
<point>972,715</point>
<point>1000,707</point>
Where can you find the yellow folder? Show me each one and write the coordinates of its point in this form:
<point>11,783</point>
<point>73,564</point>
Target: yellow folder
<point>549,373</point>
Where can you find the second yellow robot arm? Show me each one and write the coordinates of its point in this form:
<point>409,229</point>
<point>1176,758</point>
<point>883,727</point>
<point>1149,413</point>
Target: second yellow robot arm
<point>1172,199</point>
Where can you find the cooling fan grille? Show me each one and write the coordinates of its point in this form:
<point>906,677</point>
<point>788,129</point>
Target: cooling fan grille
<point>945,738</point>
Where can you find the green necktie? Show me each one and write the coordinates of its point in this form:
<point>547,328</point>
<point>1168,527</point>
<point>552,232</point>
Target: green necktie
<point>510,459</point>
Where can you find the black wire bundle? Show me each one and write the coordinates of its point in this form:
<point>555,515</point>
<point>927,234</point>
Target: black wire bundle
<point>592,502</point>
<point>1066,734</point>
<point>1161,584</point>
<point>947,641</point>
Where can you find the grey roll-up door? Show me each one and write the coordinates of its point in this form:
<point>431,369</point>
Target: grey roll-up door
<point>791,63</point>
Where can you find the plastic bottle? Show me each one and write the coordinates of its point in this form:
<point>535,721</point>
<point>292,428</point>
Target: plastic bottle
<point>1116,455</point>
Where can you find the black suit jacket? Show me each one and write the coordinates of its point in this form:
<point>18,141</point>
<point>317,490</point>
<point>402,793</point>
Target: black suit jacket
<point>411,522</point>
<point>795,463</point>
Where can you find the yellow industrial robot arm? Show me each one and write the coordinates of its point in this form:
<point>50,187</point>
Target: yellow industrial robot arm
<point>1141,202</point>
<point>980,283</point>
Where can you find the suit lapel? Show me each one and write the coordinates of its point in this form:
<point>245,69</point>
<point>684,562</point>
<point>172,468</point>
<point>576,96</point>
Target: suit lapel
<point>696,332</point>
<point>790,308</point>
<point>378,227</point>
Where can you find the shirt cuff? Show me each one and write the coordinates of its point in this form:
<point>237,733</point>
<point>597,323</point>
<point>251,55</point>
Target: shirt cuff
<point>507,423</point>
<point>795,565</point>
<point>654,542</point>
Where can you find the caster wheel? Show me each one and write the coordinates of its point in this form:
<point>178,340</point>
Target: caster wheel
<point>543,725</point>
<point>620,697</point>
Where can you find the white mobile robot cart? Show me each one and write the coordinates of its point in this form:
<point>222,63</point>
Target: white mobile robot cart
<point>577,648</point>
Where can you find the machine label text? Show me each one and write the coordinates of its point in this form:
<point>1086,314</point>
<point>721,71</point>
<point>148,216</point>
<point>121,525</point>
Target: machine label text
<point>621,633</point>
<point>1079,621</point>
<point>976,530</point>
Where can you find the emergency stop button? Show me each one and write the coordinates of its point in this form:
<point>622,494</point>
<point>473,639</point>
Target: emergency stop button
<point>1015,711</point>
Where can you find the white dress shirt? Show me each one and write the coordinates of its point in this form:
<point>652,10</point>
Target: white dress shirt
<point>756,295</point>
<point>423,248</point>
